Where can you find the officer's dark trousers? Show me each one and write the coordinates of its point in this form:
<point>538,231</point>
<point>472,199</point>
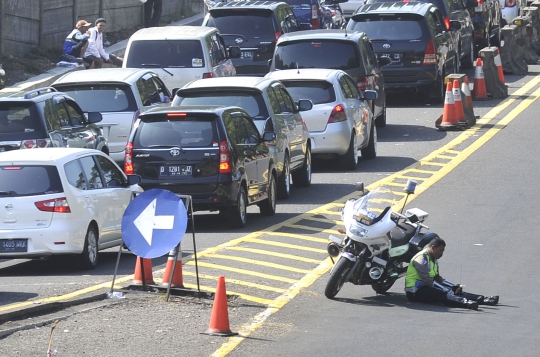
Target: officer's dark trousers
<point>431,295</point>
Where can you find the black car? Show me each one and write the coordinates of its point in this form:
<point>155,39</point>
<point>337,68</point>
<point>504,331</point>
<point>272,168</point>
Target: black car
<point>214,154</point>
<point>255,26</point>
<point>349,51</point>
<point>415,38</point>
<point>43,118</point>
<point>464,37</point>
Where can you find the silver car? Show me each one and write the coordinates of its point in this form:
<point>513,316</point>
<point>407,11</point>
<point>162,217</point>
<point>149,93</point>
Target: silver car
<point>120,95</point>
<point>340,122</point>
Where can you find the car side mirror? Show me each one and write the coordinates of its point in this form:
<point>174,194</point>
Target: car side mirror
<point>304,26</point>
<point>384,61</point>
<point>269,136</point>
<point>369,94</point>
<point>134,179</point>
<point>234,52</point>
<point>94,117</point>
<point>455,25</point>
<point>113,183</point>
<point>304,104</point>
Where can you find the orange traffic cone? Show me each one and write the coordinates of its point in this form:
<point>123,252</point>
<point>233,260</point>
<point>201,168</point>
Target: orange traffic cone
<point>458,105</point>
<point>449,120</point>
<point>177,278</point>
<point>219,321</point>
<point>479,90</point>
<point>467,91</point>
<point>498,63</point>
<point>138,275</point>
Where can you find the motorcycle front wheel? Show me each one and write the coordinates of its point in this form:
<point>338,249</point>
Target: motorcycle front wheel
<point>383,286</point>
<point>337,278</point>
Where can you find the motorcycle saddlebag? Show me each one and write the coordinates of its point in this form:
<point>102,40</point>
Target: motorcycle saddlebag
<point>422,239</point>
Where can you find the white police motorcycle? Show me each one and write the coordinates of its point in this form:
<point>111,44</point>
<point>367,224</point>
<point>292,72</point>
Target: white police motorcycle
<point>378,243</point>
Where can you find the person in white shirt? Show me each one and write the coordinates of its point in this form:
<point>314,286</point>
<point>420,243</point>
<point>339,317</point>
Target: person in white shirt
<point>95,53</point>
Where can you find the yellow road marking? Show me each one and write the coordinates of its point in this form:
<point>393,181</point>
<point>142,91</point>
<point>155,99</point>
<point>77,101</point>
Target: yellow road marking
<point>236,281</point>
<point>260,262</point>
<point>299,236</point>
<point>308,228</point>
<point>286,245</point>
<point>276,254</point>
<point>247,297</point>
<point>242,271</point>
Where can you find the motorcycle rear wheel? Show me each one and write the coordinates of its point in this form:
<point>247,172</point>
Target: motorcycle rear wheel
<point>337,279</point>
<point>383,286</point>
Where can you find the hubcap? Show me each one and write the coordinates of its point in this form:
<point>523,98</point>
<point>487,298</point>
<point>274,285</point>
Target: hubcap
<point>92,246</point>
<point>375,138</point>
<point>355,150</point>
<point>308,164</point>
<point>272,194</point>
<point>242,206</point>
<point>287,174</point>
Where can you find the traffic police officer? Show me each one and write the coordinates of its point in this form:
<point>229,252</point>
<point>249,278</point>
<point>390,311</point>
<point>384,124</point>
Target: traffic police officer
<point>424,284</point>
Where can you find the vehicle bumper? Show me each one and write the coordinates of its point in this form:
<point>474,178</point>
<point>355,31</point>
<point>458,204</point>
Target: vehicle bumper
<point>333,140</point>
<point>425,77</point>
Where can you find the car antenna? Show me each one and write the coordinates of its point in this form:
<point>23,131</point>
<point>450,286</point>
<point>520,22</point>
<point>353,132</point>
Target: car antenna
<point>297,68</point>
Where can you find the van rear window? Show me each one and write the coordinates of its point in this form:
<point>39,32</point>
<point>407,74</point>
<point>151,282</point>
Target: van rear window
<point>250,23</point>
<point>182,131</point>
<point>317,54</point>
<point>389,28</point>
<point>165,54</point>
<point>103,98</point>
<point>318,92</point>
<point>29,180</point>
<point>19,121</point>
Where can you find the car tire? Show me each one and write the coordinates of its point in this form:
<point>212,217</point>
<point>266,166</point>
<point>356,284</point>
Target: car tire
<point>302,177</point>
<point>238,213</point>
<point>89,257</point>
<point>350,159</point>
<point>380,122</point>
<point>370,152</point>
<point>284,181</point>
<point>468,61</point>
<point>268,206</point>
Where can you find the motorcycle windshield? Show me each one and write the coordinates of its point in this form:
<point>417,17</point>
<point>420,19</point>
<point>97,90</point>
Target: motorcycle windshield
<point>368,208</point>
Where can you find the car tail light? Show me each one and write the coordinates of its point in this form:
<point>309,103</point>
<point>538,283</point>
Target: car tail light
<point>29,144</point>
<point>43,143</point>
<point>447,22</point>
<point>314,16</point>
<point>338,114</point>
<point>128,164</point>
<point>277,35</point>
<point>430,58</point>
<point>136,116</point>
<point>510,3</point>
<point>59,205</point>
<point>224,158</point>
<point>480,6</point>
<point>362,83</point>
<point>208,75</point>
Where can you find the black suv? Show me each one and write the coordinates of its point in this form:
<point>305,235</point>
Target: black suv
<point>415,37</point>
<point>464,37</point>
<point>215,154</point>
<point>352,52</point>
<point>43,118</point>
<point>255,26</point>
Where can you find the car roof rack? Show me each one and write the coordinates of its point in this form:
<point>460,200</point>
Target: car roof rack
<point>39,91</point>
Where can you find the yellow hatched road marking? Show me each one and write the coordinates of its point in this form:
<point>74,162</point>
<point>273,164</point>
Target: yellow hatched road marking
<point>299,236</point>
<point>259,262</point>
<point>315,229</point>
<point>323,220</point>
<point>242,271</point>
<point>276,254</point>
<point>286,245</point>
<point>236,282</point>
<point>247,297</point>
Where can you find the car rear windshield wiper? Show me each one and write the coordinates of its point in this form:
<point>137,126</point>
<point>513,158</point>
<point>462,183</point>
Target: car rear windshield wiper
<point>156,65</point>
<point>7,193</point>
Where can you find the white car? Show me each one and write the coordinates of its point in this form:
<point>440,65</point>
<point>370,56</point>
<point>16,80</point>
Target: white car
<point>340,122</point>
<point>510,9</point>
<point>62,201</point>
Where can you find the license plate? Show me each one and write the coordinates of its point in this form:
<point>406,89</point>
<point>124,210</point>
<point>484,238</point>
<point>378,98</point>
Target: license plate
<point>395,57</point>
<point>175,170</point>
<point>246,54</point>
<point>13,245</point>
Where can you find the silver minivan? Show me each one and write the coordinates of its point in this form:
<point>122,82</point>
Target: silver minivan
<point>181,54</point>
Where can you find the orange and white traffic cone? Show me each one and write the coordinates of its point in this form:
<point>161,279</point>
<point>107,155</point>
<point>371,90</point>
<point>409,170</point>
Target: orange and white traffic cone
<point>219,321</point>
<point>458,104</point>
<point>174,270</point>
<point>147,268</point>
<point>467,92</point>
<point>470,118</point>
<point>479,90</point>
<point>498,63</point>
<point>449,120</point>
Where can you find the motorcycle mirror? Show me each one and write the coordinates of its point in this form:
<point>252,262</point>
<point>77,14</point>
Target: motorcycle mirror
<point>413,218</point>
<point>360,186</point>
<point>410,187</point>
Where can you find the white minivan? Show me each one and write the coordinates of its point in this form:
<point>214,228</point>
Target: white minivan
<point>181,54</point>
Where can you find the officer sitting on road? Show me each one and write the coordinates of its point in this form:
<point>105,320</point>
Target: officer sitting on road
<point>424,284</point>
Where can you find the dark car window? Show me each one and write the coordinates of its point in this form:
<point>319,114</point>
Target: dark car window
<point>251,101</point>
<point>75,175</point>
<point>102,97</point>
<point>317,54</point>
<point>150,90</point>
<point>274,102</point>
<point>19,121</point>
<point>319,92</point>
<point>91,172</point>
<point>252,23</point>
<point>238,133</point>
<point>110,171</point>
<point>166,53</point>
<point>285,102</point>
<point>76,118</point>
<point>355,92</point>
<point>389,28</point>
<point>29,180</point>
<point>183,131</point>
<point>345,88</point>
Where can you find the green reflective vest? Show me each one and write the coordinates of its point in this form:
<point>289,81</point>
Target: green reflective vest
<point>412,278</point>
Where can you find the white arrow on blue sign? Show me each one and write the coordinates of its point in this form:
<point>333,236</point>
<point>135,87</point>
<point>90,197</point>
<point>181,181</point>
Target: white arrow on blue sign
<point>154,223</point>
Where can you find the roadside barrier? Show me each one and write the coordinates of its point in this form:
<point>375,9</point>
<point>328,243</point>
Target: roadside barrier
<point>479,89</point>
<point>533,12</point>
<point>143,273</point>
<point>219,320</point>
<point>512,55</point>
<point>173,271</point>
<point>449,120</point>
<point>524,40</point>
<point>491,73</point>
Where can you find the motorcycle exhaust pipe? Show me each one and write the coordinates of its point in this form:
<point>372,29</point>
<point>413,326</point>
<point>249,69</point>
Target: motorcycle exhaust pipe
<point>333,249</point>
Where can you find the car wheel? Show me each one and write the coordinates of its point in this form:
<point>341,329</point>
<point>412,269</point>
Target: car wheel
<point>370,152</point>
<point>350,159</point>
<point>302,177</point>
<point>89,256</point>
<point>268,206</point>
<point>380,122</point>
<point>468,61</point>
<point>238,213</point>
<point>284,181</point>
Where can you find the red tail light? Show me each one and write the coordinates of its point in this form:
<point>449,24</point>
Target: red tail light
<point>136,116</point>
<point>338,114</point>
<point>29,144</point>
<point>59,205</point>
<point>208,75</point>
<point>362,83</point>
<point>314,16</point>
<point>447,22</point>
<point>224,158</point>
<point>277,35</point>
<point>480,6</point>
<point>42,143</point>
<point>510,3</point>
<point>128,164</point>
<point>430,58</point>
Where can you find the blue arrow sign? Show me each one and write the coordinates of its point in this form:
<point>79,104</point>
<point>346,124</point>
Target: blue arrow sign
<point>154,223</point>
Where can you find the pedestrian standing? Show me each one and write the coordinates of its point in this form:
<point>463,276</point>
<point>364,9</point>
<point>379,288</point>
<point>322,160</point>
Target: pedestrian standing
<point>152,12</point>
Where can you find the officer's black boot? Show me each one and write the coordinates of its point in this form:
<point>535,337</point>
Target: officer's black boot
<point>470,304</point>
<point>490,300</point>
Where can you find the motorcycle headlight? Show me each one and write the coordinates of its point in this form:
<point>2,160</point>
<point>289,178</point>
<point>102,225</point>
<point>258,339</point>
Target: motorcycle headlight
<point>358,231</point>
